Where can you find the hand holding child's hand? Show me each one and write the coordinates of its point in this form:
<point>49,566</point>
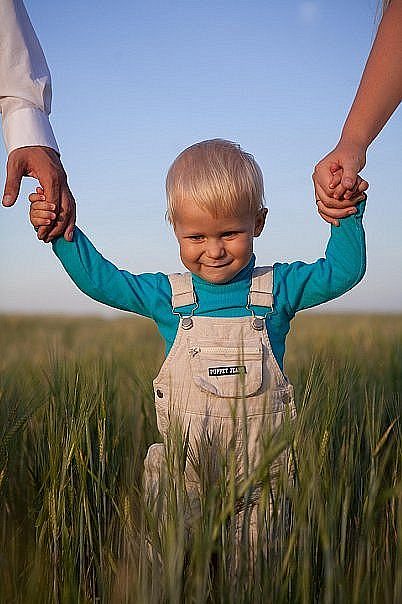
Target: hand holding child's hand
<point>340,206</point>
<point>41,213</point>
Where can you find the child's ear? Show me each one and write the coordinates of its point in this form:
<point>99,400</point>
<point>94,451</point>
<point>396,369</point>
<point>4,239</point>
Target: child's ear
<point>260,221</point>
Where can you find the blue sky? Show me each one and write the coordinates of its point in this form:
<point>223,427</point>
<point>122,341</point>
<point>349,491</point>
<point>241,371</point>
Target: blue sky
<point>136,82</point>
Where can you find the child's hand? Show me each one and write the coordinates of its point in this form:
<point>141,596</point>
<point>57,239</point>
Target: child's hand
<point>41,212</point>
<point>344,204</point>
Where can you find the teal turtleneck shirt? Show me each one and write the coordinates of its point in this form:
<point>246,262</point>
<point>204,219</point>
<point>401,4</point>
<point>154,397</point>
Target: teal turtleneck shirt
<point>297,285</point>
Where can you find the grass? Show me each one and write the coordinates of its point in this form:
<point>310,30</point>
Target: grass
<point>76,420</point>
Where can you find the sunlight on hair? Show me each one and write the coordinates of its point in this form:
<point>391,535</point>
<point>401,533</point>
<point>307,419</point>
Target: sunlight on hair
<point>217,175</point>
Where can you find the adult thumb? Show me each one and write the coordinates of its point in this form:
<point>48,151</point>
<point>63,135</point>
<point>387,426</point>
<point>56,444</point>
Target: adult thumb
<point>13,183</point>
<point>349,176</point>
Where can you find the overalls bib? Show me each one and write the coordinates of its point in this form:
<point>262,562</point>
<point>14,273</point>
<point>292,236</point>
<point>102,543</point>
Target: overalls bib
<point>220,382</point>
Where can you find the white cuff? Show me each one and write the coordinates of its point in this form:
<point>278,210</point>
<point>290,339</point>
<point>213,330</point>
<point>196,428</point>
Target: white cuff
<point>27,127</point>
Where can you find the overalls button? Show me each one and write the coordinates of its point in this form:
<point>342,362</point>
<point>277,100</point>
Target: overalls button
<point>159,393</point>
<point>187,323</point>
<point>258,323</point>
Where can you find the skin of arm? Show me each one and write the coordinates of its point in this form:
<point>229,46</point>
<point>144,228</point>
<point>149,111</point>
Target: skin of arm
<point>378,95</point>
<point>25,102</point>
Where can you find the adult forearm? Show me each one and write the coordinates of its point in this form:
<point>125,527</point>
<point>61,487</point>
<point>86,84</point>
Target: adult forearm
<point>380,89</point>
<point>25,84</point>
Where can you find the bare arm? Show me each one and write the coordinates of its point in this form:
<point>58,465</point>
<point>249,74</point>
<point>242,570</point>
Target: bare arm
<point>378,95</point>
<point>380,89</point>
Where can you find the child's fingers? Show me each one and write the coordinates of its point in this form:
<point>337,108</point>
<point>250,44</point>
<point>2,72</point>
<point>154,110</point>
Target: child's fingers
<point>42,214</point>
<point>37,221</point>
<point>42,205</point>
<point>36,197</point>
<point>40,191</point>
<point>328,218</point>
<point>335,213</point>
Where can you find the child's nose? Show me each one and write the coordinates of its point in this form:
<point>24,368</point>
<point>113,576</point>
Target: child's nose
<point>215,249</point>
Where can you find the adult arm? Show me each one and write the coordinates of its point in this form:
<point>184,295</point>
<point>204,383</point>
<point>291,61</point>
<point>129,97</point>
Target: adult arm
<point>378,95</point>
<point>306,285</point>
<point>25,103</point>
<point>101,280</point>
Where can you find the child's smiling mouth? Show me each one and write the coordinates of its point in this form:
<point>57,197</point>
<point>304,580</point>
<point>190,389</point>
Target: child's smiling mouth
<point>217,265</point>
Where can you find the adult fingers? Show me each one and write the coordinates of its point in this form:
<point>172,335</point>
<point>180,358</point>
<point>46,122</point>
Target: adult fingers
<point>15,172</point>
<point>69,232</point>
<point>324,176</point>
<point>66,216</point>
<point>363,186</point>
<point>336,178</point>
<point>42,232</point>
<point>51,187</point>
<point>349,193</point>
<point>350,170</point>
<point>349,178</point>
<point>328,200</point>
<point>360,186</point>
<point>336,172</point>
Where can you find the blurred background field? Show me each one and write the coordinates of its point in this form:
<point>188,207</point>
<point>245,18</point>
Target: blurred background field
<point>76,419</point>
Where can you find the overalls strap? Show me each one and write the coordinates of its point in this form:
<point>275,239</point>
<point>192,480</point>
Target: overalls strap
<point>182,290</point>
<point>261,289</point>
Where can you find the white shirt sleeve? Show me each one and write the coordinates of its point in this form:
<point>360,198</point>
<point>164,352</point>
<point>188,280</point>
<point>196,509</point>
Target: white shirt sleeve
<point>25,84</point>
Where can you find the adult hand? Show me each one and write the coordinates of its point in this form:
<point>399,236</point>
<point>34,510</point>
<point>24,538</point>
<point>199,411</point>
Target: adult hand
<point>336,181</point>
<point>43,163</point>
<point>344,207</point>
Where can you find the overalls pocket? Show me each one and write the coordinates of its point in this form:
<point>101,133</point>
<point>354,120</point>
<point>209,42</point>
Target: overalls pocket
<point>227,371</point>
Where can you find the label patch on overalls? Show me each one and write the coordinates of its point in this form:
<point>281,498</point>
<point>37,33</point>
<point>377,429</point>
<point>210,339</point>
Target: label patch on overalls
<point>233,370</point>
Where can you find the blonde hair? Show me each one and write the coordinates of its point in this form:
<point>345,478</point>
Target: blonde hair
<point>218,176</point>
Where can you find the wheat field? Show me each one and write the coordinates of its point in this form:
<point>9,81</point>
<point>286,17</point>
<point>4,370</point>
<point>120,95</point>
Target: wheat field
<point>77,417</point>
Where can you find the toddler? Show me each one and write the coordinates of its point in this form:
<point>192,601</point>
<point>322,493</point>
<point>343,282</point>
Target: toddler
<point>224,321</point>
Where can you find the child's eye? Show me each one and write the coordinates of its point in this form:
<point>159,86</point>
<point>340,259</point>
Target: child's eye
<point>196,237</point>
<point>229,234</point>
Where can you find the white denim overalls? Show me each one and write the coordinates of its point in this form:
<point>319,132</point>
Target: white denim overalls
<point>220,382</point>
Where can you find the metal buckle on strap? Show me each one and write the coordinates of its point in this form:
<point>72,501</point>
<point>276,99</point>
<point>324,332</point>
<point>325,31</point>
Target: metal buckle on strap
<point>258,321</point>
<point>186,321</point>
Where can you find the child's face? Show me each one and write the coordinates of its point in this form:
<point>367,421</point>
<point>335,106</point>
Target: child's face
<point>216,249</point>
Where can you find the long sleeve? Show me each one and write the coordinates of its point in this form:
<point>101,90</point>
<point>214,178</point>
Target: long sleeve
<point>25,84</point>
<point>104,282</point>
<point>306,285</point>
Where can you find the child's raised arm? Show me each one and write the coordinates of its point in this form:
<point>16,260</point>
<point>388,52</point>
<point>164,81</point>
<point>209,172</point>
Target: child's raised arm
<point>93,274</point>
